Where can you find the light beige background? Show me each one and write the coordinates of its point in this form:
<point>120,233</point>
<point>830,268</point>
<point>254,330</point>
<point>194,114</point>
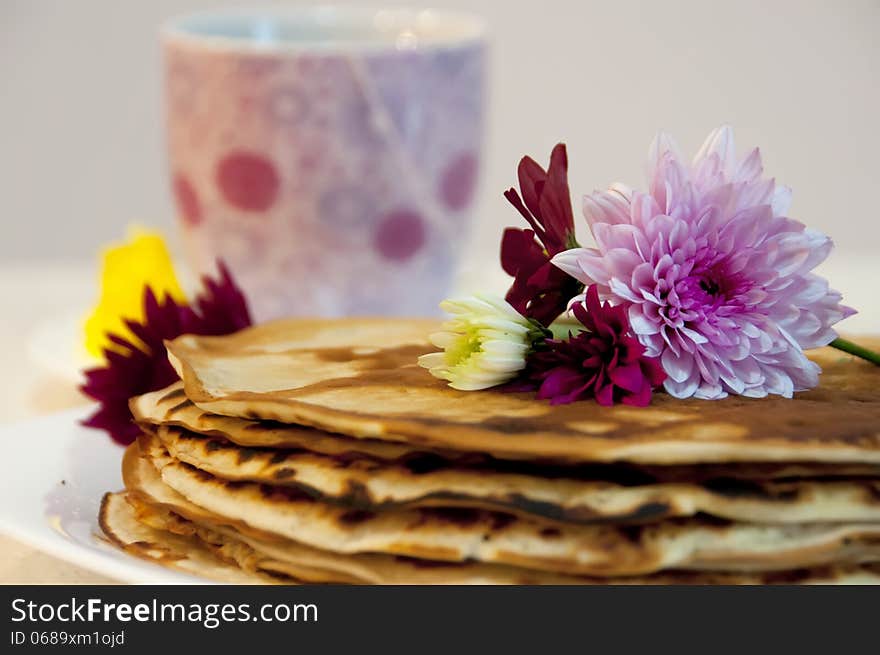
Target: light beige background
<point>81,147</point>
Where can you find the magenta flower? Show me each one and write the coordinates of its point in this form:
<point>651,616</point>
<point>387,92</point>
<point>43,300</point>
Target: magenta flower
<point>715,278</point>
<point>133,368</point>
<point>603,361</point>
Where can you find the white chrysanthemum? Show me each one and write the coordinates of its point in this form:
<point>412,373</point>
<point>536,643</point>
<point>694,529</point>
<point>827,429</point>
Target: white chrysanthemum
<point>484,344</point>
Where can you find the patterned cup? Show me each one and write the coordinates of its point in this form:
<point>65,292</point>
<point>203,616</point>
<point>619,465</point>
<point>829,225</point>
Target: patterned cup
<point>328,155</point>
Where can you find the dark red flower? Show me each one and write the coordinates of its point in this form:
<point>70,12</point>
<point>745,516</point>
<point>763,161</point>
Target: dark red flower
<point>133,368</point>
<point>540,290</point>
<point>221,308</point>
<point>604,361</point>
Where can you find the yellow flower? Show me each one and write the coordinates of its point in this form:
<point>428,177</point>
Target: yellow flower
<point>127,269</point>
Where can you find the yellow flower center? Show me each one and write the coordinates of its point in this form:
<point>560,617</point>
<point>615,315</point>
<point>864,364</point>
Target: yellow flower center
<point>465,347</point>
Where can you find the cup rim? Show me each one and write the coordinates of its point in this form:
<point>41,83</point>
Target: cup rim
<point>176,31</point>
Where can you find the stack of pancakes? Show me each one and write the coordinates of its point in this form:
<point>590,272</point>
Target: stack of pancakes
<point>319,451</point>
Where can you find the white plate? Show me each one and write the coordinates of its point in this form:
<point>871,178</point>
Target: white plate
<point>56,346</point>
<point>54,474</point>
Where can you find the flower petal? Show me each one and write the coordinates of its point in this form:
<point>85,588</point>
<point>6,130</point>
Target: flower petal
<point>679,367</point>
<point>584,264</point>
<point>683,389</point>
<point>607,207</point>
<point>718,144</point>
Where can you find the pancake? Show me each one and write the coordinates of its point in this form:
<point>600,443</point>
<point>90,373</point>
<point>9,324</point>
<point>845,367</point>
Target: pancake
<point>186,554</point>
<point>464,534</point>
<point>289,556</point>
<point>147,490</point>
<point>170,407</point>
<point>164,508</point>
<point>232,549</point>
<point>377,485</point>
<point>359,377</point>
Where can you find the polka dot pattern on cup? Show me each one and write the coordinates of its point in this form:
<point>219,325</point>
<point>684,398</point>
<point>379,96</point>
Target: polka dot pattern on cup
<point>248,181</point>
<point>188,206</point>
<point>458,181</point>
<point>400,235</point>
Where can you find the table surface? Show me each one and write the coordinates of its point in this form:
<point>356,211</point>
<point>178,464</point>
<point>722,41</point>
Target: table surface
<point>32,293</point>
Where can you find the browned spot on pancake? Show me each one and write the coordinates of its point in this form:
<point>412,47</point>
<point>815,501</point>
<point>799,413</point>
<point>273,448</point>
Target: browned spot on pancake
<point>865,540</point>
<point>501,520</point>
<point>341,354</point>
<point>796,576</point>
<point>202,475</point>
<point>736,488</point>
<point>540,507</point>
<point>540,563</point>
<point>406,378</point>
<point>462,516</point>
<point>646,512</point>
<point>421,551</point>
<point>785,493</point>
<point>371,359</point>
<point>508,425</point>
<point>255,426</point>
<point>281,455</point>
<point>872,492</point>
<point>212,445</point>
<point>425,563</point>
<point>284,473</point>
<point>178,407</point>
<point>550,533</point>
<point>631,533</point>
<point>173,395</point>
<point>708,520</point>
<point>423,462</point>
<point>246,454</point>
<point>366,464</point>
<point>356,493</point>
<point>286,493</point>
<point>355,516</point>
<point>346,460</point>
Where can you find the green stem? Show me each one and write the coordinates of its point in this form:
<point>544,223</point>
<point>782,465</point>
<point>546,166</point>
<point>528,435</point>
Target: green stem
<point>857,350</point>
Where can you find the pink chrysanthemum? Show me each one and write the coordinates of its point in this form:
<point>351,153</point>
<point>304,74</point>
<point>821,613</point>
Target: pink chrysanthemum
<point>716,279</point>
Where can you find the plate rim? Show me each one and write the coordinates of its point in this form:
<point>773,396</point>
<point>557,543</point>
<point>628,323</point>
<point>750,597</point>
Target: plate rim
<point>41,536</point>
